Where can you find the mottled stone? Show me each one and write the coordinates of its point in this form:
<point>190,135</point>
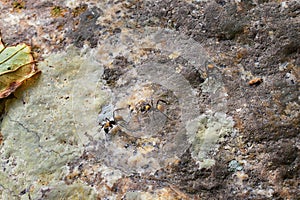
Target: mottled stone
<point>52,143</point>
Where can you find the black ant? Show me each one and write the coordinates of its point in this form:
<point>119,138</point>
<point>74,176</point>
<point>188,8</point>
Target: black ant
<point>142,107</point>
<point>109,124</point>
<point>145,107</point>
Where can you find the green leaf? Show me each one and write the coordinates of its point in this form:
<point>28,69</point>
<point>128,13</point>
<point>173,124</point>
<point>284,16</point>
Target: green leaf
<point>16,66</point>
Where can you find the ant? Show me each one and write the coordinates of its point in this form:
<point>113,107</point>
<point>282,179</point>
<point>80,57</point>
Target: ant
<point>142,107</point>
<point>145,107</point>
<point>109,124</point>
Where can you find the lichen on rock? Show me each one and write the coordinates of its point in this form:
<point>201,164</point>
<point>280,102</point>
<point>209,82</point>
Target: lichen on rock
<point>45,127</point>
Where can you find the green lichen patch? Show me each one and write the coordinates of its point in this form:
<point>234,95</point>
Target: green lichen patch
<point>45,127</point>
<point>210,130</point>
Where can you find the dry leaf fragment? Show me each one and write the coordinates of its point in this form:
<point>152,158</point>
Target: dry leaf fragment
<point>16,66</point>
<point>255,81</point>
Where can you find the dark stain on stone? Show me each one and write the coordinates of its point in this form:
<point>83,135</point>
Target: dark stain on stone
<point>87,29</point>
<point>112,74</point>
<point>283,152</point>
<point>190,72</point>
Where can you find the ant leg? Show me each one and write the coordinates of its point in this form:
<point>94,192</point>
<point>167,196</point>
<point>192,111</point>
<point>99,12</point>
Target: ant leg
<point>120,120</point>
<point>160,108</point>
<point>160,100</point>
<point>134,121</point>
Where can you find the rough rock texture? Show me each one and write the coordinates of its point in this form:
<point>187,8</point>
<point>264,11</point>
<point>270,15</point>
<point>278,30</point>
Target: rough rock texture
<point>228,72</point>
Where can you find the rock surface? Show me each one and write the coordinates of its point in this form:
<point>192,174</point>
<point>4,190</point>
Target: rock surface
<point>200,100</point>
